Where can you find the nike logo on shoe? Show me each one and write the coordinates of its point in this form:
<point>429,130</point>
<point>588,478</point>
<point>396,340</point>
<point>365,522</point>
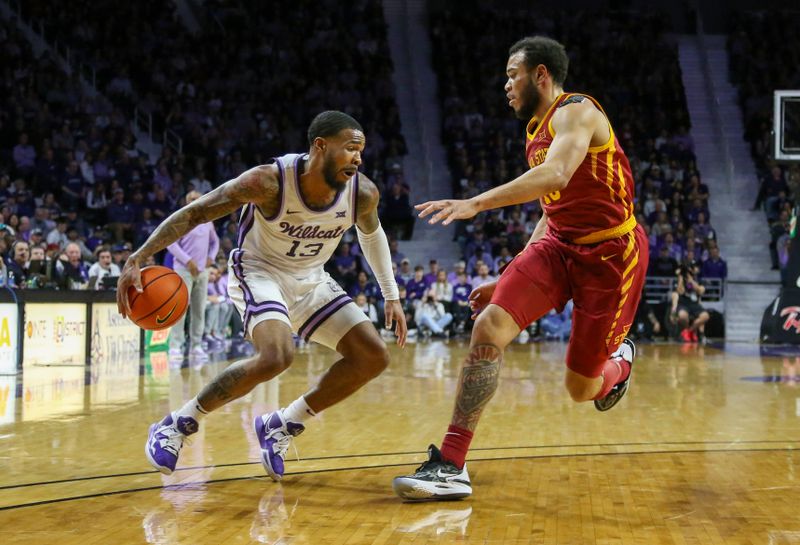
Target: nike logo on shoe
<point>607,257</point>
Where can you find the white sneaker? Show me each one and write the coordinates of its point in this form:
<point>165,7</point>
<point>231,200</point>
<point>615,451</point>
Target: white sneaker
<point>198,354</point>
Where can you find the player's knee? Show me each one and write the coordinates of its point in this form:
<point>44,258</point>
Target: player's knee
<point>278,357</point>
<point>377,360</point>
<point>580,388</point>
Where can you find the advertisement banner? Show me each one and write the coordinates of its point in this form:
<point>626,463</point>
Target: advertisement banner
<point>114,339</point>
<point>55,334</point>
<point>9,338</point>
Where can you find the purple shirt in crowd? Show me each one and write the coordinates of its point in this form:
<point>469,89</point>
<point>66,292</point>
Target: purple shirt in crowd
<point>199,244</point>
<point>461,292</point>
<point>415,289</point>
<point>714,269</point>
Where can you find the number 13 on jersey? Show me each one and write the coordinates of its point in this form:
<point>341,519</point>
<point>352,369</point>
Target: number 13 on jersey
<point>313,249</point>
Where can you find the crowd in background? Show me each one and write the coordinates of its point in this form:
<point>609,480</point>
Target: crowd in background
<point>71,173</point>
<point>764,51</point>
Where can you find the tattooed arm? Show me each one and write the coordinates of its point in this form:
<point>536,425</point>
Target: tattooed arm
<point>258,185</point>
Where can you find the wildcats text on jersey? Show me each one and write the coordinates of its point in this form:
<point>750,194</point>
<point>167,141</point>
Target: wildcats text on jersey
<point>309,231</point>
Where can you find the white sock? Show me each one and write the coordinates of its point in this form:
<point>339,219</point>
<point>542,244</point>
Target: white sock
<point>192,409</point>
<point>298,411</point>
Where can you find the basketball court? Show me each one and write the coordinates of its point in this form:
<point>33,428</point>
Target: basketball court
<point>703,450</point>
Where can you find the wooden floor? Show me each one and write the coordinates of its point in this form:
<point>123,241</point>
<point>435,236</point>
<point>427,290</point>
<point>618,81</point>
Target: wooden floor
<point>703,450</point>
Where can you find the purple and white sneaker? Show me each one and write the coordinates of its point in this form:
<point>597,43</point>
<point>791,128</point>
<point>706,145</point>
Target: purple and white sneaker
<point>274,435</point>
<point>165,441</point>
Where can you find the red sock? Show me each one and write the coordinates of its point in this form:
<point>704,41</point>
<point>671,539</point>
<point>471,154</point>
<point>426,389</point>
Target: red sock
<point>615,371</point>
<point>456,444</point>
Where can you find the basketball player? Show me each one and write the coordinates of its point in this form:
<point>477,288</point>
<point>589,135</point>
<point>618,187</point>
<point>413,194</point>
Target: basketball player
<point>587,248</point>
<point>294,213</point>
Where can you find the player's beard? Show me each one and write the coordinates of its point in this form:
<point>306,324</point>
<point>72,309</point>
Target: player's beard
<point>530,100</point>
<point>329,173</point>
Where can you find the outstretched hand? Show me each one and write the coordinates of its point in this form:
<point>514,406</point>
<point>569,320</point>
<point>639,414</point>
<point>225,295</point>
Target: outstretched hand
<point>447,210</point>
<point>394,313</point>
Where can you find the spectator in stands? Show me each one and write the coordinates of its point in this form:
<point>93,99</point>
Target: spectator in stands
<point>120,253</point>
<point>194,253</point>
<point>430,278</point>
<point>72,273</point>
<point>17,265</point>
<point>24,155</point>
<point>702,230</point>
<point>74,238</point>
<point>73,186</point>
<point>36,237</point>
<point>417,287</point>
<point>96,202</point>
<point>503,259</point>
<point>460,302</point>
<point>686,311</point>
<point>431,316</point>
<point>144,227</point>
<point>714,266</point>
<point>346,265</point>
<point>160,204</point>
<point>770,187</point>
<point>558,325</point>
<point>40,269</point>
<point>119,216</point>
<point>200,183</point>
<point>663,265</point>
<point>363,285</point>
<point>59,234</point>
<point>104,267</point>
<point>218,309</point>
<point>397,215</point>
<point>443,290</point>
<point>674,249</point>
<point>368,309</point>
<point>480,256</point>
<point>395,253</point>
<point>483,276</point>
<point>408,308</point>
<point>458,268</point>
<point>405,274</point>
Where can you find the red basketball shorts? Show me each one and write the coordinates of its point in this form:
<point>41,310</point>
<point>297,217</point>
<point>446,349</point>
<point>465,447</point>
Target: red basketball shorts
<point>603,280</point>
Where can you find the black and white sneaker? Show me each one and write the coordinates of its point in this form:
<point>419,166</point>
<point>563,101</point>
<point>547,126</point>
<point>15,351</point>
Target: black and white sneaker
<point>626,351</point>
<point>435,479</point>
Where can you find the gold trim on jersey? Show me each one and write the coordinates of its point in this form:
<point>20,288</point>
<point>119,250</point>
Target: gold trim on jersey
<point>626,286</point>
<point>528,132</point>
<point>607,234</point>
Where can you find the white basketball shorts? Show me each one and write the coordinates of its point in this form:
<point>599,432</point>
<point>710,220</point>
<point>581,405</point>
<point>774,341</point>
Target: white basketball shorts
<point>315,307</point>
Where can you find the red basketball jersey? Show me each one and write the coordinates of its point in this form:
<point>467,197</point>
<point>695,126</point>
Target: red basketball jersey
<point>597,204</point>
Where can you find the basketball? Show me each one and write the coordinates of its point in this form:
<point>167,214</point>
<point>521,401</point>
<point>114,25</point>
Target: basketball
<point>163,299</point>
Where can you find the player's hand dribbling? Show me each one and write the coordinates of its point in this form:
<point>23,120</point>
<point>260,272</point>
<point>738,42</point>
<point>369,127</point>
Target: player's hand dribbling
<point>480,297</point>
<point>394,313</point>
<point>131,275</point>
<point>448,210</point>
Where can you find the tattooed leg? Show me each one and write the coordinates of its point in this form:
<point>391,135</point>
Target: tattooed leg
<point>478,383</point>
<point>275,348</point>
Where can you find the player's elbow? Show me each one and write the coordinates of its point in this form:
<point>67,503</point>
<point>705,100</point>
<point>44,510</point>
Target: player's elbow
<point>560,180</point>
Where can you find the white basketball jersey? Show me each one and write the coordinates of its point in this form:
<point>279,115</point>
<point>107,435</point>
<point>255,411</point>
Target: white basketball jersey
<point>298,239</point>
